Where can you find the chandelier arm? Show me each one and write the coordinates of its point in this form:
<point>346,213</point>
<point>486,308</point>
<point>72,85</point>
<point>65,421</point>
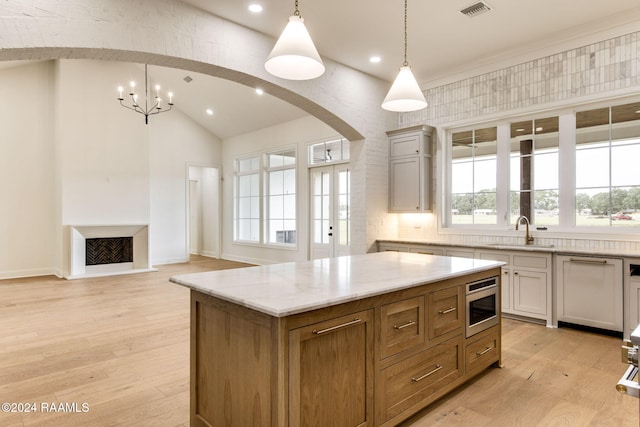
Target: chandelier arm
<point>136,109</point>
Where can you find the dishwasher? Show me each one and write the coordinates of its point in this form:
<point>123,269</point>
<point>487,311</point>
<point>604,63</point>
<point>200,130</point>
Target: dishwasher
<point>589,291</point>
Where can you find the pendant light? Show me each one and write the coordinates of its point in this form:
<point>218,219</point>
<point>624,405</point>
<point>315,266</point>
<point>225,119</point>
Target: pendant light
<point>294,56</point>
<point>405,94</point>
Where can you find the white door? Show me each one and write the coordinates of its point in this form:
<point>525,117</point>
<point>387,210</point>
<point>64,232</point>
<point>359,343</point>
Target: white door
<point>330,211</point>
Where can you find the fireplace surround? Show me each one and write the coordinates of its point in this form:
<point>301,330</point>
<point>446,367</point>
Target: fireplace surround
<point>135,259</point>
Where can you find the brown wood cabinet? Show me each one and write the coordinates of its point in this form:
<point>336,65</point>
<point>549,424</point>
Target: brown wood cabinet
<point>370,362</point>
<point>335,355</point>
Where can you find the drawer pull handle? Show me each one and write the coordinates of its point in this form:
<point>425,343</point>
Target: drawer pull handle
<point>589,261</point>
<point>406,325</point>
<point>333,328</point>
<point>483,352</point>
<point>415,380</point>
<point>448,310</point>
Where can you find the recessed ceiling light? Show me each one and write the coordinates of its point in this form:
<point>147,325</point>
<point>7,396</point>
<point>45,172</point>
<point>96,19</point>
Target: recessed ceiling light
<point>375,59</point>
<point>255,8</point>
<point>209,112</point>
<point>259,91</point>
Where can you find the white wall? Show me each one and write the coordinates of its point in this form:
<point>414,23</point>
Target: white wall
<point>177,142</point>
<point>27,189</point>
<point>298,133</point>
<point>70,155</point>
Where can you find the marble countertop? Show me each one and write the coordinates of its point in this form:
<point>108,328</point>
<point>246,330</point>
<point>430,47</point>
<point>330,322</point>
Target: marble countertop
<point>554,249</point>
<point>284,289</point>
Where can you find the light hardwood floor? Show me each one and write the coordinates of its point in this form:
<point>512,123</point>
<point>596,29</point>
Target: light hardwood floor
<point>121,346</point>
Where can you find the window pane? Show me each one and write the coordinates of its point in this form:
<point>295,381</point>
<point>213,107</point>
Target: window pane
<point>274,160</point>
<point>592,167</point>
<point>244,186</point>
<point>276,207</point>
<point>606,176</point>
<point>545,173</point>
<point>624,165</point>
<point>484,175</point>
<point>473,176</point>
<point>289,181</point>
<point>461,177</point>
<point>248,165</point>
<point>281,197</point>
<point>289,207</point>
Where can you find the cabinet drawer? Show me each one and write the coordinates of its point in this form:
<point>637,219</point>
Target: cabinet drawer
<point>415,379</point>
<point>483,350</point>
<point>492,256</point>
<point>529,261</point>
<point>402,325</point>
<point>445,311</point>
<point>426,250</point>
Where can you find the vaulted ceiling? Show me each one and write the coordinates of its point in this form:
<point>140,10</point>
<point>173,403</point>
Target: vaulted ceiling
<point>444,45</point>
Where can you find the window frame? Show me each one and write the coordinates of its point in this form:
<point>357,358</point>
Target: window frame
<point>266,218</point>
<point>566,175</point>
<point>236,198</point>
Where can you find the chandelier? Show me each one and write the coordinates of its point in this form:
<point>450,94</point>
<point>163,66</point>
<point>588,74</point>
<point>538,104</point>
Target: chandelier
<point>145,110</point>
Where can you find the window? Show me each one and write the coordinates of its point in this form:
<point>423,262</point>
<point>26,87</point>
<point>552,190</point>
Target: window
<point>280,197</point>
<point>247,200</point>
<point>536,168</point>
<point>534,171</point>
<point>473,177</point>
<point>607,152</point>
<point>329,151</point>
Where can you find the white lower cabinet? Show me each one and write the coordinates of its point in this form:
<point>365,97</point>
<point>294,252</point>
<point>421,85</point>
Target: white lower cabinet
<point>526,283</point>
<point>631,295</point>
<point>530,292</point>
<point>590,291</point>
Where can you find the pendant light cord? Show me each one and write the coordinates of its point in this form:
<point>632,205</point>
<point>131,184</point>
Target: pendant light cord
<point>297,12</point>
<point>405,32</point>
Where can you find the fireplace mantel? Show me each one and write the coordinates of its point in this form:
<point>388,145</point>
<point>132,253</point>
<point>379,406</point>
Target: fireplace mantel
<point>78,234</point>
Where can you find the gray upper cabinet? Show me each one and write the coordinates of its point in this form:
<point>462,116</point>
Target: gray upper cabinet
<point>410,153</point>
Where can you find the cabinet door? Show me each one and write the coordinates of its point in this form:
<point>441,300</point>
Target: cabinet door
<point>590,291</point>
<point>331,372</point>
<point>404,184</point>
<point>405,145</point>
<point>634,307</point>
<point>530,292</point>
<point>506,288</point>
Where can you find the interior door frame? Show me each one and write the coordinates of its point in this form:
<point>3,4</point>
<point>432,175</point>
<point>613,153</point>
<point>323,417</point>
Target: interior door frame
<point>217,211</point>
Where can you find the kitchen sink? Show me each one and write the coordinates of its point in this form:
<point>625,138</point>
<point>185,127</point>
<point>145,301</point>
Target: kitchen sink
<point>519,245</point>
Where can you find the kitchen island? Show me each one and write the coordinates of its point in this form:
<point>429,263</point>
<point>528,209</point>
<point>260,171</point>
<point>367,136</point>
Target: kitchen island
<point>360,340</point>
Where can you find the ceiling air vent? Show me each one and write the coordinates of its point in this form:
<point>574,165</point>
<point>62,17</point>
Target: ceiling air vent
<point>187,79</point>
<point>476,9</point>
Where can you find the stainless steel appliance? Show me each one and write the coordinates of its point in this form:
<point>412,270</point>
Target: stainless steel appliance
<point>628,384</point>
<point>482,305</point>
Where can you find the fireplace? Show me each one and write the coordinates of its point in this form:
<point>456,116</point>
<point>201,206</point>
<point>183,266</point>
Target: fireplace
<point>103,250</point>
<point>108,250</point>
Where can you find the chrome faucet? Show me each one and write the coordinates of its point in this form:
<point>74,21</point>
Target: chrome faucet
<point>527,236</point>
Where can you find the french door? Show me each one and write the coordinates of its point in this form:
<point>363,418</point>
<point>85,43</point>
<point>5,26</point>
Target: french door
<point>330,211</point>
